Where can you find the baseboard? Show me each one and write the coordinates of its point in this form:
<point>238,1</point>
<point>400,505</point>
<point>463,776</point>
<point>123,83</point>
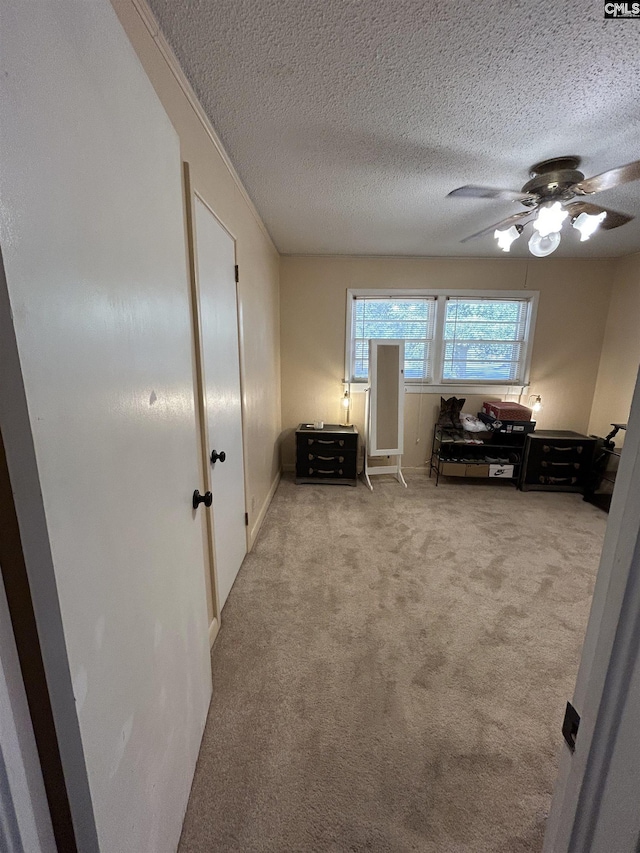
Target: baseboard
<point>406,469</point>
<point>253,535</point>
<point>418,469</point>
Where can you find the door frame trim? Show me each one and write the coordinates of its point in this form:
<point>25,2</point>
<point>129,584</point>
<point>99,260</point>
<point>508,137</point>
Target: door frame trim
<point>200,399</point>
<point>201,386</point>
<point>16,583</point>
<point>27,563</point>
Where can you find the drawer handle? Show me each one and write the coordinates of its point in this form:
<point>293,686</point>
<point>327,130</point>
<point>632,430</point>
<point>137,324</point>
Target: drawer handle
<point>328,458</point>
<point>556,481</point>
<point>329,442</point>
<point>546,464</point>
<point>322,471</point>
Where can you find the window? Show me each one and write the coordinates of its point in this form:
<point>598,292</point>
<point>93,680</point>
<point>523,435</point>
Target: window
<point>484,339</point>
<point>409,319</point>
<point>456,338</point>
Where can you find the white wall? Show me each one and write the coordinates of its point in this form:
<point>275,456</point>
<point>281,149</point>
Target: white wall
<point>212,175</point>
<point>92,235</point>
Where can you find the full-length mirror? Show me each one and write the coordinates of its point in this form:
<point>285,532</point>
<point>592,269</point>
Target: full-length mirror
<point>386,416</point>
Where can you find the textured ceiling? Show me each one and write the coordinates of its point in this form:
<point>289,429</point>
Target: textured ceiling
<point>349,121</point>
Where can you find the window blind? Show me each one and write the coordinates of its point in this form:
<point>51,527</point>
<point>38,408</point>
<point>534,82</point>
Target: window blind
<point>408,319</point>
<point>484,339</point>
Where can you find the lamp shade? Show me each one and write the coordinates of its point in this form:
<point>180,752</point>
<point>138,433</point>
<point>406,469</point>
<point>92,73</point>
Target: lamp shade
<point>588,223</point>
<point>505,238</point>
<point>550,218</point>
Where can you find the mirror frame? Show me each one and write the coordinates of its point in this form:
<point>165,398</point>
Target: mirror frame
<point>377,397</point>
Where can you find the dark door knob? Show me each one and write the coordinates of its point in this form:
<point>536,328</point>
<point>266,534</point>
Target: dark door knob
<point>215,456</point>
<point>206,499</point>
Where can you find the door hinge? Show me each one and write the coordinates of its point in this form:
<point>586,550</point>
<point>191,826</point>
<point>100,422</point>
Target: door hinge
<point>246,519</point>
<point>570,726</point>
<point>237,273</point>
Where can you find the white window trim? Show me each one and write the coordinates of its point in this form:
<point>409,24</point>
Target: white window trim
<point>420,386</point>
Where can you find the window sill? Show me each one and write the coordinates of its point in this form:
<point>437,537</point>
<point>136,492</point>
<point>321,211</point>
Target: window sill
<point>456,390</point>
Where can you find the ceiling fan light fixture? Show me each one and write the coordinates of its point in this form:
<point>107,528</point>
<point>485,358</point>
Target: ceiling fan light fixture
<point>549,220</point>
<point>588,223</point>
<point>541,246</point>
<point>506,237</point>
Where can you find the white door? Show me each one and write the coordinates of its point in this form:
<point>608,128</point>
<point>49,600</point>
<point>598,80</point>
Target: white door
<point>594,808</point>
<point>215,260</point>
<point>98,416</point>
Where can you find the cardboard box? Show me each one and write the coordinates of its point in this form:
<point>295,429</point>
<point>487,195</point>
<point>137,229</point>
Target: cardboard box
<point>454,469</point>
<point>477,470</point>
<point>464,469</point>
<point>506,411</point>
<point>507,427</point>
<point>505,471</point>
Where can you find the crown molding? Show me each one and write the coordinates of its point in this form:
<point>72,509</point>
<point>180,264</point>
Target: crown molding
<point>166,51</point>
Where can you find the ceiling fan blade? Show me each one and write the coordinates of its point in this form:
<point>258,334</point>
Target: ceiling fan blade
<point>510,220</point>
<point>610,179</point>
<point>613,219</point>
<point>471,191</point>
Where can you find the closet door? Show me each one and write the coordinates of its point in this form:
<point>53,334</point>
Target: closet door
<point>215,256</point>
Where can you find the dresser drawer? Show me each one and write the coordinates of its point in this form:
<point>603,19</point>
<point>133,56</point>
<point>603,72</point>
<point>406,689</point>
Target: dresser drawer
<point>332,470</point>
<point>557,460</point>
<point>327,456</point>
<point>307,455</point>
<point>561,452</point>
<point>319,441</point>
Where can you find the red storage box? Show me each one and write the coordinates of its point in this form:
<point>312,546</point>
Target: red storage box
<point>504,411</point>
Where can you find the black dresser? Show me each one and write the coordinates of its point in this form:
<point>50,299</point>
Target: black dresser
<point>556,459</point>
<point>327,455</point>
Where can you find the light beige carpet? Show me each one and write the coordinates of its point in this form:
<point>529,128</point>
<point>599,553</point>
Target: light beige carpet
<point>392,671</point>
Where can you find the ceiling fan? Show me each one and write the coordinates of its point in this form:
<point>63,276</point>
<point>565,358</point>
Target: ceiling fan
<point>548,198</point>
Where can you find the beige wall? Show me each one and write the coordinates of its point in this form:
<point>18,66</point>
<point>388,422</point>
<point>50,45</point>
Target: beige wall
<point>620,351</point>
<point>574,299</point>
<point>257,258</point>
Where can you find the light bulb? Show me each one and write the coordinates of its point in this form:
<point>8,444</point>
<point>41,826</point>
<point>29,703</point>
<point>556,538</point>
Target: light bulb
<point>346,405</point>
<point>535,403</point>
<point>550,218</point>
<point>505,238</point>
<point>542,246</point>
<point>588,223</point>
